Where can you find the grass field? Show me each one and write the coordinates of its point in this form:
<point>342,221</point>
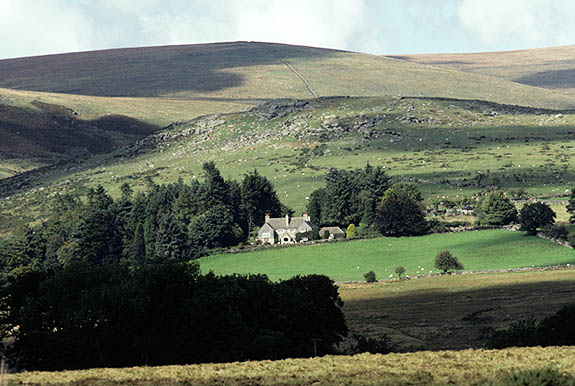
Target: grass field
<point>467,367</point>
<point>477,250</point>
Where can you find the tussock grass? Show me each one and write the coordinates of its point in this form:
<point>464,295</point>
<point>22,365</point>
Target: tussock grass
<point>466,367</point>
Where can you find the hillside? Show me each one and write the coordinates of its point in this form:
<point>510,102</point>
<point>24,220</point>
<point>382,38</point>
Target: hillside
<point>551,68</point>
<point>450,148</point>
<point>93,102</point>
<point>40,129</point>
<point>255,71</point>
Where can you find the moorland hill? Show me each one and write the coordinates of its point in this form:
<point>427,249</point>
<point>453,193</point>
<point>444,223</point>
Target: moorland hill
<point>58,107</point>
<point>551,68</point>
<point>256,71</point>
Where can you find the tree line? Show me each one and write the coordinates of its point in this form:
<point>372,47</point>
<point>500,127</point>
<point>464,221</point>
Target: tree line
<point>176,221</point>
<point>113,315</point>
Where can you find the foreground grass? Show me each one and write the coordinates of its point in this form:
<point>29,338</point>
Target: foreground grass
<point>477,250</point>
<point>468,367</point>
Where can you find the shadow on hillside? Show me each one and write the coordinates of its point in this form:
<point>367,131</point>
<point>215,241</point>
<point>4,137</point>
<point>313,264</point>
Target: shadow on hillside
<point>56,133</point>
<point>554,79</point>
<point>409,58</point>
<point>447,319</point>
<point>142,72</point>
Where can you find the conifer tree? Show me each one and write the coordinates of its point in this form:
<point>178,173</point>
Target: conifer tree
<point>571,207</point>
<point>258,198</point>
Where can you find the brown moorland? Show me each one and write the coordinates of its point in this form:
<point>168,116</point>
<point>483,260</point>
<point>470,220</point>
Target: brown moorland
<point>551,68</point>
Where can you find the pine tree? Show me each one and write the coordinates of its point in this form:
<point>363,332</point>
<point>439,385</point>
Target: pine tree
<point>171,241</point>
<point>258,198</point>
<point>341,204</point>
<point>315,205</point>
<point>216,191</point>
<point>98,235</point>
<point>136,251</point>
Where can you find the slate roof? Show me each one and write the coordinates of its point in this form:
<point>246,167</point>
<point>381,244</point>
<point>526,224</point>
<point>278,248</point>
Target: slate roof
<point>280,223</point>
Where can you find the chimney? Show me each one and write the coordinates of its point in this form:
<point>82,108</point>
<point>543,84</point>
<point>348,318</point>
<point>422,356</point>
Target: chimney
<point>267,217</point>
<point>306,216</point>
<point>287,219</point>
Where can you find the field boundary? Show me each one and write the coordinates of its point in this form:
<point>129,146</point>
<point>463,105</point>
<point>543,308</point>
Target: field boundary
<point>471,272</point>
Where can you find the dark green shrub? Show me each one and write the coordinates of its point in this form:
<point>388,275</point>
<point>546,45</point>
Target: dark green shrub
<point>571,239</point>
<point>521,333</point>
<point>535,215</point>
<point>116,316</point>
<point>558,232</point>
<point>400,213</point>
<point>558,329</point>
<point>370,277</point>
<point>400,271</point>
<point>555,330</point>
<point>437,226</point>
<point>362,344</point>
<point>446,262</point>
<point>497,209</point>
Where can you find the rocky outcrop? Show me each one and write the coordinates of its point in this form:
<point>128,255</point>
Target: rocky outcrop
<point>280,109</point>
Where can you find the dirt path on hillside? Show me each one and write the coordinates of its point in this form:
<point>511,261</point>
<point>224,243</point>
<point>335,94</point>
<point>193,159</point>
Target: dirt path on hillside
<point>300,76</point>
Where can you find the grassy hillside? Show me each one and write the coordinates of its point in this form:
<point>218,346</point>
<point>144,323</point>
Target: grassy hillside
<point>479,250</point>
<point>551,68</point>
<point>160,85</point>
<point>249,70</point>
<point>450,148</point>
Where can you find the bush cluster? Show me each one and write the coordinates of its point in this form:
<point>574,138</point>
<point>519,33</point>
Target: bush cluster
<point>557,232</point>
<point>556,330</point>
<point>370,277</point>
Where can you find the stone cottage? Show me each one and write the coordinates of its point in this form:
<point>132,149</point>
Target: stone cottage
<point>286,230</point>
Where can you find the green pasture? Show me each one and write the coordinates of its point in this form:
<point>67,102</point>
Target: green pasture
<point>348,261</point>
